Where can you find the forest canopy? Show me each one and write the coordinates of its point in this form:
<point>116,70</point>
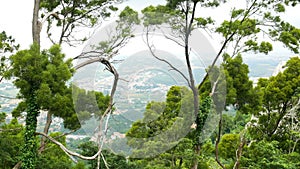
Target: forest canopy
<point>219,115</point>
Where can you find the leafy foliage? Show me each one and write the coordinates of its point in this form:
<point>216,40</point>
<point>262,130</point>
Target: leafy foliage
<point>54,157</point>
<point>264,154</point>
<point>7,45</point>
<point>45,75</point>
<point>280,101</point>
<point>90,148</point>
<point>240,92</point>
<point>41,78</point>
<point>89,103</point>
<point>70,16</point>
<point>11,141</point>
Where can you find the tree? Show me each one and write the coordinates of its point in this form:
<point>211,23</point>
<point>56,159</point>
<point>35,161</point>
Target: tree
<point>83,103</point>
<point>241,31</point>
<point>159,132</point>
<point>258,17</point>
<point>67,15</point>
<point>265,154</point>
<point>2,117</point>
<point>243,95</point>
<point>41,78</point>
<point>280,95</point>
<point>228,145</point>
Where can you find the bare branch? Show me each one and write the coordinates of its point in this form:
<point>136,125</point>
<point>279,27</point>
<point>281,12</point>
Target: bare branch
<point>105,162</point>
<point>88,62</point>
<point>46,130</point>
<point>107,112</point>
<point>150,47</point>
<point>174,40</point>
<point>67,151</point>
<point>7,97</point>
<point>239,151</point>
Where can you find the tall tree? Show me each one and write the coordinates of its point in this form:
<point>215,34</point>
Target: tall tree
<point>46,81</point>
<point>67,15</point>
<point>41,78</point>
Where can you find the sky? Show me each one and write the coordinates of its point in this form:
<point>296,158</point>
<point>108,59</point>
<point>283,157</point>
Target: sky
<point>16,17</point>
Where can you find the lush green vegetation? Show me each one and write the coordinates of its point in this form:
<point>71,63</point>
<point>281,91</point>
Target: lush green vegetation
<point>254,126</point>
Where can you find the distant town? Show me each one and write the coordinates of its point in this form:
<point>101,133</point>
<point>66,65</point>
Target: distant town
<point>132,96</point>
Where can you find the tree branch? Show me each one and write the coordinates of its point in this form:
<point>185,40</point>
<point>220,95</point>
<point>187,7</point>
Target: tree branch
<point>7,97</point>
<point>163,60</point>
<point>217,143</point>
<point>239,151</point>
<point>227,40</point>
<point>107,112</point>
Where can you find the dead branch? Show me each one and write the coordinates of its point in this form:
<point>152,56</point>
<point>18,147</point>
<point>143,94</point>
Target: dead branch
<point>67,151</point>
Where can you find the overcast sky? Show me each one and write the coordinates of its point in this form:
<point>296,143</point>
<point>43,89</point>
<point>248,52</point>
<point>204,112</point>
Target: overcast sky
<point>16,17</point>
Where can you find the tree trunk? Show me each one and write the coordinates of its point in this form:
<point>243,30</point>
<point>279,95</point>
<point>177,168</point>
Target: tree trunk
<point>239,153</point>
<point>46,130</point>
<point>197,152</point>
<point>193,87</point>
<point>36,25</point>
<point>30,147</point>
<point>18,165</point>
<point>217,143</point>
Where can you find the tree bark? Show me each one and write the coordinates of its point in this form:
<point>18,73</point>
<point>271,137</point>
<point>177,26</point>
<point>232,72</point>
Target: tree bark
<point>46,130</point>
<point>197,152</point>
<point>239,152</point>
<point>190,71</point>
<point>36,25</point>
<point>217,143</point>
<point>18,165</point>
